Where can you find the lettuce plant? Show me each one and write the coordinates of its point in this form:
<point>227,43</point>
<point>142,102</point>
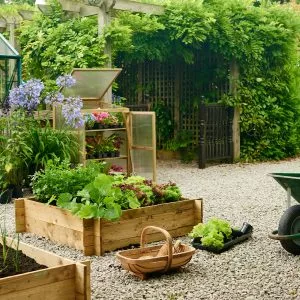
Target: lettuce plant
<point>212,233</point>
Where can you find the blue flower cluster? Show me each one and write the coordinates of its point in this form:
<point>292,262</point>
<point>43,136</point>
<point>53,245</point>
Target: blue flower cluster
<point>26,96</point>
<point>54,98</point>
<point>71,110</point>
<point>65,81</point>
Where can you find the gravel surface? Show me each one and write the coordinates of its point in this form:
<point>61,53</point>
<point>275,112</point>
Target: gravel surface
<point>256,269</point>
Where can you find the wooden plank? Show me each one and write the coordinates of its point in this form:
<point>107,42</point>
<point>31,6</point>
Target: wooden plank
<point>133,228</point>
<point>52,214</point>
<point>55,232</point>
<point>40,256</point>
<point>139,7</point>
<point>112,245</point>
<point>87,10</point>
<point>37,278</point>
<point>152,210</point>
<point>61,290</point>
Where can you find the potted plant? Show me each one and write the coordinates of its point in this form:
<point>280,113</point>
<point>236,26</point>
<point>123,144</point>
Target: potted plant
<point>101,119</point>
<point>90,121</point>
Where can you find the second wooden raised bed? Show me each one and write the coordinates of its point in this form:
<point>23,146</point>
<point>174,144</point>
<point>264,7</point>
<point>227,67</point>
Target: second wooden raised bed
<point>95,236</point>
<point>64,279</point>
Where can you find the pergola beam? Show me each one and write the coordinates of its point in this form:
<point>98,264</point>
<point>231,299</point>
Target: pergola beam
<point>138,7</point>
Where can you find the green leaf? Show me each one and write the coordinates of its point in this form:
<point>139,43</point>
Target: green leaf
<point>87,212</point>
<point>113,212</point>
<point>64,199</point>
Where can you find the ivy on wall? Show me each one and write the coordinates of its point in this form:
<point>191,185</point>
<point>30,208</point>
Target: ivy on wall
<point>263,39</point>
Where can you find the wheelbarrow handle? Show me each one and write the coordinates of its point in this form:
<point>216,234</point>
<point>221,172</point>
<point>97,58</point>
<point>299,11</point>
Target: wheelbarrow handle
<point>274,236</point>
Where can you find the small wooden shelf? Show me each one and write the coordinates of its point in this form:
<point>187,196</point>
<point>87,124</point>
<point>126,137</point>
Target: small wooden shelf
<point>106,129</point>
<point>108,158</point>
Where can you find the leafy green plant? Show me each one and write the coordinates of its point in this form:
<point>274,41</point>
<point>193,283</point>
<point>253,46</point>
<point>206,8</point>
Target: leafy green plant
<point>88,194</point>
<point>58,178</point>
<point>182,142</point>
<point>212,233</point>
<point>98,199</point>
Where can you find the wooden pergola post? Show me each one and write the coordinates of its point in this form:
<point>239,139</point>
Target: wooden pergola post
<point>233,87</point>
<point>103,9</point>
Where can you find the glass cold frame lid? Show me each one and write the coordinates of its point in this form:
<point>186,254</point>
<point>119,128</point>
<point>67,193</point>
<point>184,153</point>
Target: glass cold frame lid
<point>91,83</point>
<point>6,50</point>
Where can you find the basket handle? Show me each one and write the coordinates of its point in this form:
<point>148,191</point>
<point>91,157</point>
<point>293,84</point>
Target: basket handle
<point>169,242</point>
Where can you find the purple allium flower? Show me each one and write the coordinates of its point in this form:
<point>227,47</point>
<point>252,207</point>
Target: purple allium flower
<point>26,96</point>
<point>65,81</point>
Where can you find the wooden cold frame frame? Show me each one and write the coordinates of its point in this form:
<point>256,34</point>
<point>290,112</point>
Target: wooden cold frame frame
<point>82,132</point>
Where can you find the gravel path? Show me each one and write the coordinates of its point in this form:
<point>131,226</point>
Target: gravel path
<point>256,269</point>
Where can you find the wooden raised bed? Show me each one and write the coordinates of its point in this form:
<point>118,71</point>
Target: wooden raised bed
<point>64,279</point>
<point>95,236</point>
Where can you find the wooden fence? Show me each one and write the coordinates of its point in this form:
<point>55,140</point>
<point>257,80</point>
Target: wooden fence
<point>182,88</point>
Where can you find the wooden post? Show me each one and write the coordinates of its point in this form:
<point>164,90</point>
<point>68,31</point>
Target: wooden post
<point>140,83</point>
<point>104,17</point>
<point>198,212</point>
<point>177,97</point>
<point>234,77</point>
<point>202,123</point>
<point>20,215</point>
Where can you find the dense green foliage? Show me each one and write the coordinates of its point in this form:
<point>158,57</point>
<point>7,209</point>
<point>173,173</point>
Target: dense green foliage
<point>58,178</point>
<point>26,144</point>
<point>212,233</point>
<point>262,39</point>
<point>89,194</point>
<point>54,44</point>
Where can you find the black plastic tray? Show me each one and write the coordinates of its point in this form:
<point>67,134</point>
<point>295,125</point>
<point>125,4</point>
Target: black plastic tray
<point>227,245</point>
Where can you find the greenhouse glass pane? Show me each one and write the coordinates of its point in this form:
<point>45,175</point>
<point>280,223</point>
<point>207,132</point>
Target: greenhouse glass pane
<point>142,163</point>
<point>5,48</point>
<point>91,83</point>
<point>142,130</point>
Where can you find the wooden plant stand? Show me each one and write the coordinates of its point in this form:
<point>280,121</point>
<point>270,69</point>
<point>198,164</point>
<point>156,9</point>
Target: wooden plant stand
<point>63,280</point>
<point>95,236</point>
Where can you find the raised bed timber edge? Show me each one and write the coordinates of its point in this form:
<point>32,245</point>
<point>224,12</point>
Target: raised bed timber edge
<point>64,279</point>
<point>95,236</point>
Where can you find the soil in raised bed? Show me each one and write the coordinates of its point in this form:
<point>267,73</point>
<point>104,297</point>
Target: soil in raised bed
<point>26,264</point>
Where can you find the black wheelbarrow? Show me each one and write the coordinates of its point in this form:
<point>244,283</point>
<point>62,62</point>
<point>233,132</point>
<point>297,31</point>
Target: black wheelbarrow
<point>288,232</point>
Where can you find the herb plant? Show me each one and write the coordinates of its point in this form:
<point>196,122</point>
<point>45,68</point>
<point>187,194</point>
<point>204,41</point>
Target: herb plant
<point>212,233</point>
<point>58,178</point>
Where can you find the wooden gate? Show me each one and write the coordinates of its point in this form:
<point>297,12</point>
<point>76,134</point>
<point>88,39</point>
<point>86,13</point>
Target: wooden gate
<point>215,133</point>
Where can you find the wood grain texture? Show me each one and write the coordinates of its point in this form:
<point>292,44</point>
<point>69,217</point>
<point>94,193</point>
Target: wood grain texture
<point>96,236</point>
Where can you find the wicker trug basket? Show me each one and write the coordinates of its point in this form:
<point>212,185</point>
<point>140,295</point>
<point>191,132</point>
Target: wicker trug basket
<point>145,260</point>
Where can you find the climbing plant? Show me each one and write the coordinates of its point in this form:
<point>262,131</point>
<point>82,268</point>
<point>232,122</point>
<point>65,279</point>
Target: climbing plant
<point>54,44</point>
<point>262,38</point>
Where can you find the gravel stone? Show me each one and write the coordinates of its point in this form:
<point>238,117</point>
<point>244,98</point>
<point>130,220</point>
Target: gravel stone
<point>257,269</point>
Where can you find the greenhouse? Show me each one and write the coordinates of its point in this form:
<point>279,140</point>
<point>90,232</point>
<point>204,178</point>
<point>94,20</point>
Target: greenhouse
<point>10,68</point>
